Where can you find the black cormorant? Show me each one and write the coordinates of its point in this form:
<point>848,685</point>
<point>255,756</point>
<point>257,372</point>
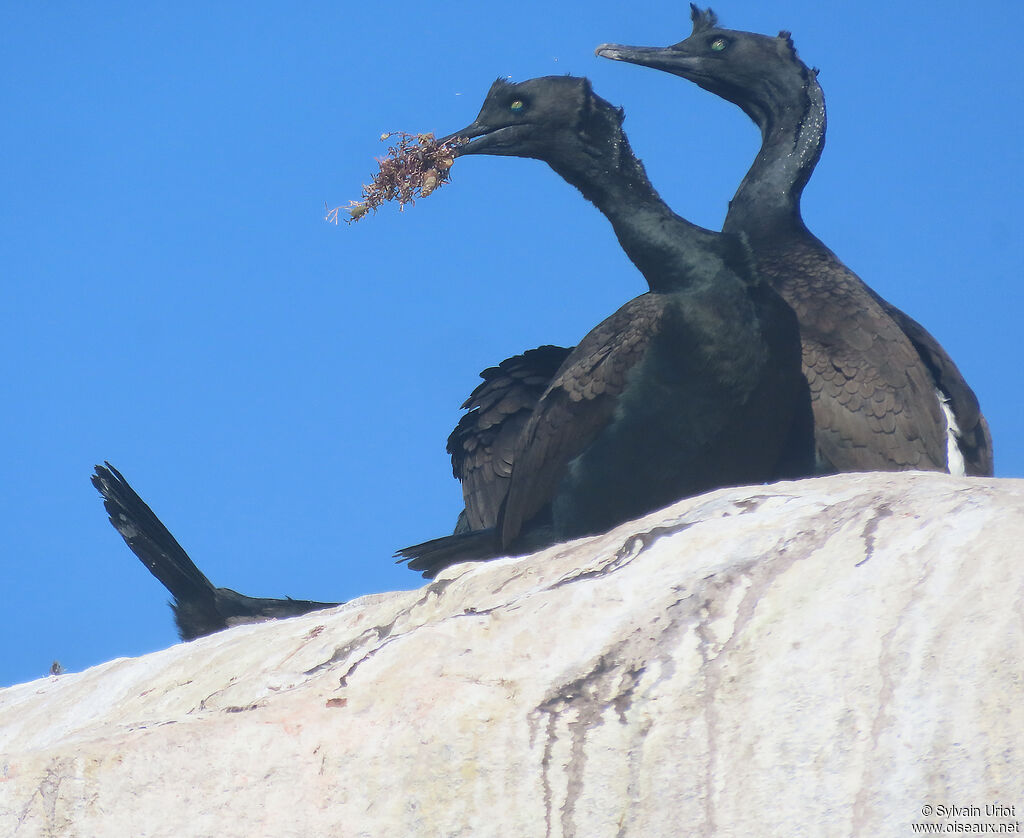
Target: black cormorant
<point>886,395</point>
<point>690,387</point>
<point>199,608</point>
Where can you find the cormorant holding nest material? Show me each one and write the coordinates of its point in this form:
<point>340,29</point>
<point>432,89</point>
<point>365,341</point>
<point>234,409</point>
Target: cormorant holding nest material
<point>692,386</point>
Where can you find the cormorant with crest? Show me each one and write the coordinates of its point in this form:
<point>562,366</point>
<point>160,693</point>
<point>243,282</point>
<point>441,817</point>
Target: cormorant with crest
<point>886,395</point>
<point>199,608</point>
<point>692,386</point>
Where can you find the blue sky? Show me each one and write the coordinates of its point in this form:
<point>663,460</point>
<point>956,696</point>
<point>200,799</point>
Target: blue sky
<point>280,390</point>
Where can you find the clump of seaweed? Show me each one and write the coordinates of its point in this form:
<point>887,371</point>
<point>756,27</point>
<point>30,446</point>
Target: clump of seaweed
<point>412,169</point>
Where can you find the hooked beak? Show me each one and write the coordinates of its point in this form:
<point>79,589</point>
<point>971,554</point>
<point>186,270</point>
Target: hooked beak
<point>669,59</point>
<point>482,139</point>
<point>468,133</point>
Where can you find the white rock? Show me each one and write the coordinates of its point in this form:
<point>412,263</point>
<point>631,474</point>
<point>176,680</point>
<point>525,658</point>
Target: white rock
<point>806,659</point>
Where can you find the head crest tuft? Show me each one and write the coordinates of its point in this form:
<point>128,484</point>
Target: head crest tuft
<point>702,20</point>
<point>787,36</point>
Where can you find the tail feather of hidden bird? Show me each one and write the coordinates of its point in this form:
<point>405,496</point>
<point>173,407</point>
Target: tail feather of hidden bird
<point>199,607</point>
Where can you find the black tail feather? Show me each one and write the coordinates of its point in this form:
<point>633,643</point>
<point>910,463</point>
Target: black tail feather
<point>149,539</point>
<point>199,608</point>
<point>431,557</point>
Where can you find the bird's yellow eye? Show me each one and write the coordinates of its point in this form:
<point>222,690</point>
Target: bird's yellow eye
<point>719,44</point>
<point>517,106</point>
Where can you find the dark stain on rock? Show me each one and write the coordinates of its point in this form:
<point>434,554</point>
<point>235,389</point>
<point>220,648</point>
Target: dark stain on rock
<point>368,637</point>
<point>624,700</point>
<point>246,709</point>
<point>582,703</point>
<point>870,528</point>
<point>631,548</point>
<point>751,504</point>
<point>435,588</point>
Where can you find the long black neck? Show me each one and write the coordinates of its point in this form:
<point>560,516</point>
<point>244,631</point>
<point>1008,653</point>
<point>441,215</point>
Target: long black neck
<point>669,251</point>
<point>792,123</point>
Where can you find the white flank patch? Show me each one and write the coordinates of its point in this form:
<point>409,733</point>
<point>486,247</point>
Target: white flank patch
<point>955,464</point>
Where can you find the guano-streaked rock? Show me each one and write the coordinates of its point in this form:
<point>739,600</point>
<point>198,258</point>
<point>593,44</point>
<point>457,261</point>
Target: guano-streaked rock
<point>819,658</point>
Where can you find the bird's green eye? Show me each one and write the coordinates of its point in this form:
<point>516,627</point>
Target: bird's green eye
<point>719,44</point>
<point>517,106</point>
